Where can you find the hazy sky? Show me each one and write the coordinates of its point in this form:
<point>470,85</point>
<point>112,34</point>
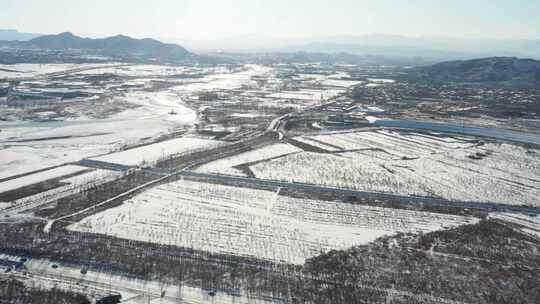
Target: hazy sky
<point>206,19</point>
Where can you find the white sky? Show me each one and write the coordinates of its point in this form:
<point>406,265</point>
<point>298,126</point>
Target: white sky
<point>206,19</point>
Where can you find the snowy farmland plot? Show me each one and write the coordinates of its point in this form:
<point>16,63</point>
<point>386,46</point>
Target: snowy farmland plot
<point>528,224</point>
<point>74,184</point>
<point>33,69</point>
<point>152,153</point>
<point>70,141</point>
<point>341,83</point>
<point>254,223</point>
<point>30,146</point>
<point>157,104</point>
<point>138,70</point>
<point>38,177</point>
<point>76,179</point>
<point>223,81</point>
<point>310,95</point>
<point>115,118</point>
<point>414,164</point>
<point>229,165</point>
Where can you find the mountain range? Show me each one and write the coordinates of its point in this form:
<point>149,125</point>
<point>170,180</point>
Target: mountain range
<point>11,35</point>
<point>489,68</point>
<point>398,46</point>
<point>117,46</point>
<point>493,69</point>
<point>430,48</point>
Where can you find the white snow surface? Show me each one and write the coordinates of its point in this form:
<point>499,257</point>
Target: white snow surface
<point>35,178</point>
<point>226,165</point>
<point>415,164</point>
<point>341,83</point>
<point>224,81</point>
<point>152,153</point>
<point>160,104</point>
<point>75,184</point>
<point>139,70</point>
<point>529,224</point>
<point>36,69</point>
<point>381,80</point>
<point>372,119</point>
<point>311,95</point>
<point>373,85</point>
<point>73,140</point>
<point>255,223</point>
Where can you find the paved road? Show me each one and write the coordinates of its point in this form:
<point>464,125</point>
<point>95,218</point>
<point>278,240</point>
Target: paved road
<point>185,171</point>
<point>370,195</point>
<point>97,164</point>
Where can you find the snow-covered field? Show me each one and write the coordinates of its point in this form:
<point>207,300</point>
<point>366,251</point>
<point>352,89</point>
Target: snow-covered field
<point>157,104</point>
<point>226,165</point>
<point>39,177</point>
<point>311,95</point>
<point>74,184</point>
<point>152,153</point>
<point>224,81</point>
<point>399,144</point>
<point>381,80</point>
<point>27,146</point>
<point>373,85</point>
<point>414,164</point>
<point>528,223</point>
<point>35,69</point>
<point>341,83</point>
<point>139,70</point>
<point>35,146</point>
<point>336,80</point>
<point>30,146</point>
<point>255,223</point>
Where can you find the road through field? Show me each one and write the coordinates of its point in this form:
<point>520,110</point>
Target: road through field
<point>487,206</point>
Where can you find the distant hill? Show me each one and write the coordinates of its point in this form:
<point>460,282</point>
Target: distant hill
<point>327,58</point>
<point>117,46</point>
<point>429,48</point>
<point>14,35</point>
<point>485,69</point>
<point>382,50</point>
